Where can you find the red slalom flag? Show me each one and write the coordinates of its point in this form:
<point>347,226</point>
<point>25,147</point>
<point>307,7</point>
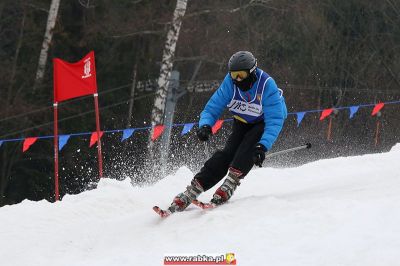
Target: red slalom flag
<point>73,80</point>
<point>157,131</point>
<point>326,113</point>
<point>94,138</point>
<point>377,108</point>
<point>217,126</point>
<point>28,143</point>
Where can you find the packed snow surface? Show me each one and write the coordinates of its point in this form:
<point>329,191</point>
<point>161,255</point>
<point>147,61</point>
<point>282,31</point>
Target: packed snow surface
<point>343,211</point>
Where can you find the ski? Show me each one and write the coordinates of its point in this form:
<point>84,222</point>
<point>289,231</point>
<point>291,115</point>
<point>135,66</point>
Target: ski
<point>161,212</point>
<point>203,205</point>
<point>200,204</point>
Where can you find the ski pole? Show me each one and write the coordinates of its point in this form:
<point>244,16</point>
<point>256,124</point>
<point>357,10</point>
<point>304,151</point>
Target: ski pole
<point>305,146</point>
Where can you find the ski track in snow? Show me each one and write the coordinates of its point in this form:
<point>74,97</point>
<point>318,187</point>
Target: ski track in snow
<point>342,211</point>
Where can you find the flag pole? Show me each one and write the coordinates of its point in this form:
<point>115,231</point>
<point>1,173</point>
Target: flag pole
<point>56,185</point>
<point>100,158</point>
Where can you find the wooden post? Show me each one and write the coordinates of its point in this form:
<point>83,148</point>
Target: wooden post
<point>329,132</point>
<point>100,158</point>
<point>377,133</point>
<point>56,185</point>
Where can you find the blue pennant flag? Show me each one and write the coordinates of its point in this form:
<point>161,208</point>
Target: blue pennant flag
<point>127,133</point>
<point>62,140</point>
<point>353,110</point>
<point>1,142</point>
<point>300,116</point>
<point>187,128</point>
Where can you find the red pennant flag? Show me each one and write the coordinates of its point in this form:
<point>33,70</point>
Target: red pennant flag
<point>326,113</point>
<point>217,126</point>
<point>28,143</point>
<point>73,80</point>
<point>377,108</point>
<point>94,138</point>
<point>157,131</point>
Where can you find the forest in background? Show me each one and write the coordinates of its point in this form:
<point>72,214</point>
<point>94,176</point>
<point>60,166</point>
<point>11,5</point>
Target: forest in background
<point>322,53</point>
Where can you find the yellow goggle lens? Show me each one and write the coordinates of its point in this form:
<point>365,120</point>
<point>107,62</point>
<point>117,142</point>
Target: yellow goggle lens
<point>239,74</point>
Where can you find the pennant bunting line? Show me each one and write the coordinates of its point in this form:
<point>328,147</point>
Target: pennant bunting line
<point>217,126</point>
<point>353,111</point>
<point>62,140</point>
<point>186,128</point>
<point>127,133</point>
<point>159,129</point>
<point>377,108</point>
<point>28,142</point>
<point>300,116</point>
<point>94,138</point>
<point>325,113</point>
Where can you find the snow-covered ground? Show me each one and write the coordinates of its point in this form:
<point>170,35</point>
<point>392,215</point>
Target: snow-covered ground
<point>343,211</point>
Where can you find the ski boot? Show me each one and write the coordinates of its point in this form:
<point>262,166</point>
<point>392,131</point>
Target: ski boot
<point>225,191</point>
<point>182,200</point>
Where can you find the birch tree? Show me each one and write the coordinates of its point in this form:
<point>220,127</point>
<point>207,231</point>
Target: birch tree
<point>48,35</point>
<point>157,114</point>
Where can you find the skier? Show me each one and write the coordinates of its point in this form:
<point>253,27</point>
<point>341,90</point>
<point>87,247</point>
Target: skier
<point>259,111</point>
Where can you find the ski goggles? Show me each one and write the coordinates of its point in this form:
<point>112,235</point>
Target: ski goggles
<point>242,74</point>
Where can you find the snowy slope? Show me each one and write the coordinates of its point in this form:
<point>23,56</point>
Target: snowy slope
<point>343,211</point>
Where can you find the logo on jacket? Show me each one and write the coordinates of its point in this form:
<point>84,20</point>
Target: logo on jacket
<point>240,107</point>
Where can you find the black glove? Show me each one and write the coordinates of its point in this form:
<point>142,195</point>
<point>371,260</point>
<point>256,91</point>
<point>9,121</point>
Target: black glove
<point>259,154</point>
<point>204,132</point>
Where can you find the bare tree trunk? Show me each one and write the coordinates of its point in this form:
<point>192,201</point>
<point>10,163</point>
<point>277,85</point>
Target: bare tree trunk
<point>157,114</point>
<point>131,100</point>
<point>195,72</point>
<point>48,35</point>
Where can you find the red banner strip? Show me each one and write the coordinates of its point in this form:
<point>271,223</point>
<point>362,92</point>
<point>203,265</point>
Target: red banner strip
<point>73,80</point>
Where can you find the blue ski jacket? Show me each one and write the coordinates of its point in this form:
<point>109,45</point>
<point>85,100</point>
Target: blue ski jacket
<point>270,98</point>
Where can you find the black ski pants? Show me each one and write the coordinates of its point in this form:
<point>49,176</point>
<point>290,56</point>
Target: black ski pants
<point>237,153</point>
